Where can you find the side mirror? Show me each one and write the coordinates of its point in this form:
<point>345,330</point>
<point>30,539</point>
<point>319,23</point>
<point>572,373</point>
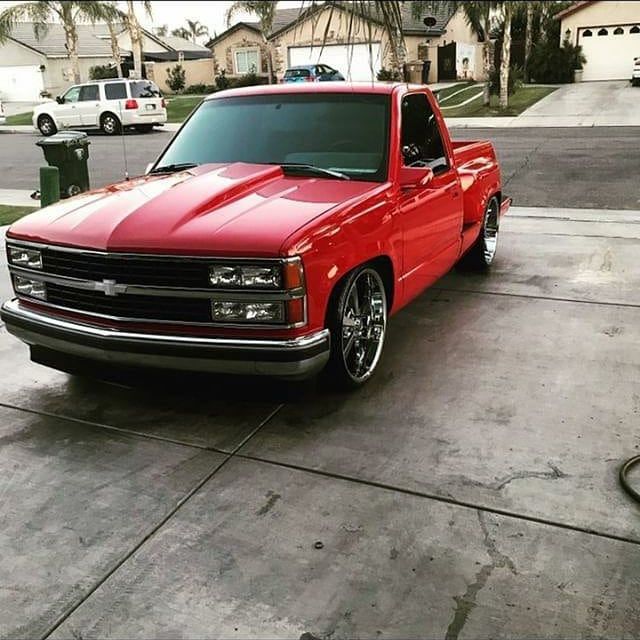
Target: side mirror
<point>59,99</point>
<point>415,177</point>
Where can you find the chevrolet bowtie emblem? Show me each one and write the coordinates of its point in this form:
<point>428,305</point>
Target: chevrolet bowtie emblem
<point>110,287</point>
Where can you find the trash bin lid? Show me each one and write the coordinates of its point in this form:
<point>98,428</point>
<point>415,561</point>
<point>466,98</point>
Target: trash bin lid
<point>66,138</point>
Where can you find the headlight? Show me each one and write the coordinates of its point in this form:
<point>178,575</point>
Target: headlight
<point>248,311</point>
<point>28,258</point>
<point>251,276</point>
<point>32,288</point>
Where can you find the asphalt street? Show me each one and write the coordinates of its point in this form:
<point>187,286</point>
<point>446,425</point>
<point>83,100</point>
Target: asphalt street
<point>580,167</point>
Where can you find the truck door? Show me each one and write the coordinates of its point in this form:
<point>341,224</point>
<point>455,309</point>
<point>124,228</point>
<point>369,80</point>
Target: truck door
<point>431,216</point>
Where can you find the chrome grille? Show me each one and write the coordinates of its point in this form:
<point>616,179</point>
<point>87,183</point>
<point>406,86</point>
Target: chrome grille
<point>131,307</point>
<point>161,271</point>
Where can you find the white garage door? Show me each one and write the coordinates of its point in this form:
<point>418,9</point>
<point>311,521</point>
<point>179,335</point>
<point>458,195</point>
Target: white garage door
<point>353,61</point>
<point>610,51</point>
<point>20,84</point>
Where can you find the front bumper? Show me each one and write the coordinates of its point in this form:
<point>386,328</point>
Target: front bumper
<point>286,358</point>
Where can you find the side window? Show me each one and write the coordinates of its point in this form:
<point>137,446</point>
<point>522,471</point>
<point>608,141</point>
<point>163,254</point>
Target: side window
<point>89,93</point>
<point>421,139</point>
<point>115,90</point>
<point>72,95</point>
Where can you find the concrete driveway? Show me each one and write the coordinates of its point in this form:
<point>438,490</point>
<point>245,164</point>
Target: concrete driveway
<point>470,490</point>
<point>614,103</point>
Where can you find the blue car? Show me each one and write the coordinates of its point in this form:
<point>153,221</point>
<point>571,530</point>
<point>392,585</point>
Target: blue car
<point>312,73</point>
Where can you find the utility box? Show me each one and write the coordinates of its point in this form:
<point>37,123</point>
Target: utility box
<point>69,152</point>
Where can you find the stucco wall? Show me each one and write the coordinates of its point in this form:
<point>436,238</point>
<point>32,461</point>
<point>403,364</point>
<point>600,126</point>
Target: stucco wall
<point>196,72</point>
<point>242,38</point>
<point>600,13</point>
<point>58,74</point>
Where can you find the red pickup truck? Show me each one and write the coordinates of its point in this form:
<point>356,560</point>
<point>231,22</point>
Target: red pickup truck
<point>275,235</point>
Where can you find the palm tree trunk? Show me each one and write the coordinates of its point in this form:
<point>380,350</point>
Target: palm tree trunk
<point>115,48</point>
<point>528,40</point>
<point>506,58</point>
<point>267,48</point>
<point>487,62</point>
<point>136,38</point>
<point>71,41</point>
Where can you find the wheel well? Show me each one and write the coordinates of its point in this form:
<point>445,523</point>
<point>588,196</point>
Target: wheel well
<point>45,115</point>
<point>383,266</point>
<point>108,113</point>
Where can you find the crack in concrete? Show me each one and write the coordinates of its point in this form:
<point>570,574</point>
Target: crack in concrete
<point>524,164</point>
<point>554,474</point>
<point>466,603</point>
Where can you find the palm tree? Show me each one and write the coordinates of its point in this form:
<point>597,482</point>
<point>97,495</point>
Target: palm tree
<point>69,12</point>
<point>135,32</point>
<point>162,31</point>
<point>528,37</point>
<point>181,32</point>
<point>196,29</point>
<point>115,47</point>
<point>265,11</point>
<point>508,8</point>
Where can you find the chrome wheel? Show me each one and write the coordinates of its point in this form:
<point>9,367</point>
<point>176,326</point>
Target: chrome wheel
<point>363,325</point>
<point>490,229</point>
<point>110,124</point>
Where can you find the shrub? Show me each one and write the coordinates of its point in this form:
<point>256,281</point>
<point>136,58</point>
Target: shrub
<point>550,63</point>
<point>249,80</point>
<point>176,77</point>
<point>388,75</point>
<point>200,89</point>
<point>102,72</point>
<point>221,80</point>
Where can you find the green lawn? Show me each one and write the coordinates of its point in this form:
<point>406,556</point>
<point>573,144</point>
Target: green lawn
<point>178,108</point>
<point>521,100</point>
<point>456,93</point>
<point>20,118</point>
<point>11,214</point>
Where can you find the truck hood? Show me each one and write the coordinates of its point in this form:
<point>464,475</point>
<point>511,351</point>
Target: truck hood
<point>231,209</point>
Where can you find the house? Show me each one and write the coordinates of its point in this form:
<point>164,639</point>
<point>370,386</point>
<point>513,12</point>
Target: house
<point>609,34</point>
<point>29,65</point>
<point>355,44</point>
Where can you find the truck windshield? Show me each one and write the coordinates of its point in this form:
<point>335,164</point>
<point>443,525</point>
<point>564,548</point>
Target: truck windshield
<point>343,132</point>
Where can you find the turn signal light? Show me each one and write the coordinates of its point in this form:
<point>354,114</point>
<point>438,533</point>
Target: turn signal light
<point>293,274</point>
<point>295,311</point>
<point>131,104</point>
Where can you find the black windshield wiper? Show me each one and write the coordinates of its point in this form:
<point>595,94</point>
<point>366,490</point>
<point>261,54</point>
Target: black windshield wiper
<point>309,168</point>
<point>172,168</point>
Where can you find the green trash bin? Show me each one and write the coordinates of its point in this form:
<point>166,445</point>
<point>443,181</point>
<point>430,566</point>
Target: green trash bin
<point>69,152</point>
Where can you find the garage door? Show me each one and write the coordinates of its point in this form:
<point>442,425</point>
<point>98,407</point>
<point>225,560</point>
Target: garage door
<point>353,61</point>
<point>610,51</point>
<point>20,84</point>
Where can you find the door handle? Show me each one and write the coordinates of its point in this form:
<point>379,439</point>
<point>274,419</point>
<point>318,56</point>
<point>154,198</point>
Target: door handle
<point>453,190</point>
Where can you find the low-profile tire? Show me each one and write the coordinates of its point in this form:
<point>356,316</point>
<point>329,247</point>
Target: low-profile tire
<point>144,128</point>
<point>46,125</point>
<point>357,320</point>
<point>481,255</point>
<point>110,124</point>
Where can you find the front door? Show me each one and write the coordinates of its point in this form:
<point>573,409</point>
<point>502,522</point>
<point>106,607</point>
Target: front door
<point>67,113</point>
<point>89,105</point>
<point>431,216</point>
<point>447,62</point>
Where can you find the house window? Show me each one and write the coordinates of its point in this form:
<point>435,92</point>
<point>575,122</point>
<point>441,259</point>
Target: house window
<point>246,61</point>
<point>618,32</point>
<point>603,32</point>
<point>587,33</point>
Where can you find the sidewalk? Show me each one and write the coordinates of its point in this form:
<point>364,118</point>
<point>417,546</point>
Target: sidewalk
<point>17,198</point>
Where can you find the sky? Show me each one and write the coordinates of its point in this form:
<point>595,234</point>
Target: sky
<point>211,13</point>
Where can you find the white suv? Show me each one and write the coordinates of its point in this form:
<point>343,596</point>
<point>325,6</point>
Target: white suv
<point>635,74</point>
<point>103,104</point>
